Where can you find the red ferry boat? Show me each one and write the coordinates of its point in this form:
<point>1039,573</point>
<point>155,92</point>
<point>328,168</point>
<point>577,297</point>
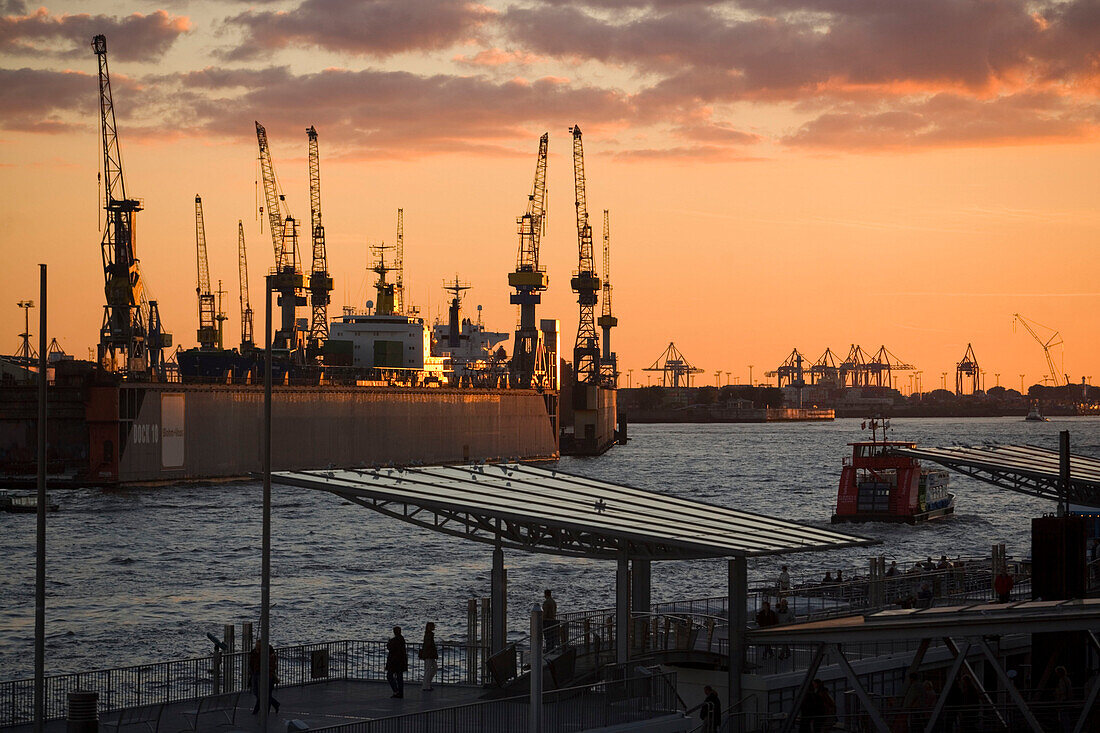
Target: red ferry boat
<point>878,485</point>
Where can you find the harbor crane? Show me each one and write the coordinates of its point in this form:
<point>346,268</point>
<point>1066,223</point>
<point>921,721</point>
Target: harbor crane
<point>609,362</point>
<point>320,282</point>
<point>529,367</point>
<point>1055,339</point>
<point>247,342</point>
<point>208,333</point>
<point>586,283</point>
<point>132,338</point>
<point>826,369</point>
<point>675,369</point>
<point>791,372</point>
<point>967,373</point>
<point>26,351</point>
<point>399,265</point>
<point>287,280</point>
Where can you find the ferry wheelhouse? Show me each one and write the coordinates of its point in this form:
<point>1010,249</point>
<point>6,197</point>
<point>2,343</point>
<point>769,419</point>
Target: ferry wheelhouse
<point>879,485</point>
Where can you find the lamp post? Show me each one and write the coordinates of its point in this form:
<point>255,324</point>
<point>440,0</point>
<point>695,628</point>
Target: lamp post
<point>629,378</point>
<point>1021,384</point>
<point>750,375</point>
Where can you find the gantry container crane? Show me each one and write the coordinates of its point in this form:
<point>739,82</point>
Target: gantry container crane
<point>609,362</point>
<point>586,282</point>
<point>208,333</point>
<point>131,339</point>
<point>247,341</point>
<point>1055,339</point>
<point>287,278</point>
<point>320,282</point>
<point>529,366</point>
<point>968,371</point>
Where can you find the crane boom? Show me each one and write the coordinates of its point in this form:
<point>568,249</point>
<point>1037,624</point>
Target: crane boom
<point>586,283</point>
<point>247,342</point>
<point>399,265</point>
<point>1054,340</point>
<point>208,332</point>
<point>320,283</point>
<point>606,310</point>
<point>273,196</point>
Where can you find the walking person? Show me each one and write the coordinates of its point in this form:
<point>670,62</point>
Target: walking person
<point>549,621</point>
<point>397,663</point>
<point>784,583</point>
<point>430,654</point>
<point>783,617</point>
<point>1002,584</point>
<point>711,710</point>
<point>766,617</point>
<point>272,676</point>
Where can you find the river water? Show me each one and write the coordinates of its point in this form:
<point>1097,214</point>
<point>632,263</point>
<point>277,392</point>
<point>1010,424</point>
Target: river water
<point>140,575</point>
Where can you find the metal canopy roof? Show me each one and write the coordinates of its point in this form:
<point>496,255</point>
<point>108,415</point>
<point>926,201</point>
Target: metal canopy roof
<point>1024,468</point>
<point>978,619</point>
<point>545,510</point>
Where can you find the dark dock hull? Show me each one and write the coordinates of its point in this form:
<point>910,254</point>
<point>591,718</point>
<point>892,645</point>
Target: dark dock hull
<point>136,433</point>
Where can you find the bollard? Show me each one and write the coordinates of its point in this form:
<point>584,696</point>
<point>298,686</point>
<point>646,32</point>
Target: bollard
<point>228,636</point>
<point>83,714</point>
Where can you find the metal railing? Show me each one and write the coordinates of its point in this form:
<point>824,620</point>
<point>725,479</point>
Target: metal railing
<point>188,679</point>
<point>617,702</point>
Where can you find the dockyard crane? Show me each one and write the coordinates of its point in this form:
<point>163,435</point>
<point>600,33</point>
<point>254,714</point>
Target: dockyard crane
<point>208,332</point>
<point>882,365</point>
<point>399,266</point>
<point>127,343</point>
<point>967,370</point>
<point>320,282</point>
<point>1055,339</point>
<point>529,366</point>
<point>609,362</point>
<point>791,372</point>
<point>247,342</point>
<point>287,280</point>
<point>586,283</point>
<point>676,370</point>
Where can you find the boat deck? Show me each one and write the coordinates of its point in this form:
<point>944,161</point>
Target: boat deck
<point>318,705</point>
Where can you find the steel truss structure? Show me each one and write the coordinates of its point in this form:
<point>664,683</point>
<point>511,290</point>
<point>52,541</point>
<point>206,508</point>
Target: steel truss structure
<point>1024,468</point>
<point>962,629</point>
<point>533,509</point>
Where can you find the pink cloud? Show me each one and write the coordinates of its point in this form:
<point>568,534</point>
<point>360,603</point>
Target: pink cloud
<point>498,57</point>
<point>135,37</point>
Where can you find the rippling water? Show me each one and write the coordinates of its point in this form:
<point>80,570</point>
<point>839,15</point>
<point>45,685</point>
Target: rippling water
<point>140,575</point>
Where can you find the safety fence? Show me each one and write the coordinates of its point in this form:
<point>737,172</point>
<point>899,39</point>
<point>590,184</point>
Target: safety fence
<point>617,702</point>
<point>189,679</point>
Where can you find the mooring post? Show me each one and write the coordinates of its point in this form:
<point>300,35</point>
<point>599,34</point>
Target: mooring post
<point>497,604</point>
<point>471,641</point>
<point>1063,470</point>
<point>736,616</point>
<point>622,610</point>
<point>534,720</point>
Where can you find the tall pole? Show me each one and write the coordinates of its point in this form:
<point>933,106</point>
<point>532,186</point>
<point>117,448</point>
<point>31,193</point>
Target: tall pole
<point>1063,471</point>
<point>40,552</point>
<point>265,564</point>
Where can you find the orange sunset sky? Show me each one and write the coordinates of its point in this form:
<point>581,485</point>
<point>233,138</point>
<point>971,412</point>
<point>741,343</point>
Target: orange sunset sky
<point>780,173</point>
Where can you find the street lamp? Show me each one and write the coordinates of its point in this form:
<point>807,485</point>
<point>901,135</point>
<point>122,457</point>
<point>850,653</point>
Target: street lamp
<point>629,378</point>
<point>750,375</point>
<point>727,379</point>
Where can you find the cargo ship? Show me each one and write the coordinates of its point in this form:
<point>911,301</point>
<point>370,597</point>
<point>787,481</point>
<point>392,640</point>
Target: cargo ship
<point>877,484</point>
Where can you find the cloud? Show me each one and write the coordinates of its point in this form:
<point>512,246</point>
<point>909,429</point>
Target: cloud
<point>948,120</point>
<point>33,100</point>
<point>788,49</point>
<point>135,37</point>
<point>365,27</point>
<point>497,57</point>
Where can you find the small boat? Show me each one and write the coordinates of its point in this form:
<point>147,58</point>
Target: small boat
<point>1034,414</point>
<point>877,484</point>
<point>23,503</point>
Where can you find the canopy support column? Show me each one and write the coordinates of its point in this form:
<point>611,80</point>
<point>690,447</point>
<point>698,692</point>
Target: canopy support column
<point>622,610</point>
<point>736,615</point>
<point>498,601</point>
<point>640,602</point>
